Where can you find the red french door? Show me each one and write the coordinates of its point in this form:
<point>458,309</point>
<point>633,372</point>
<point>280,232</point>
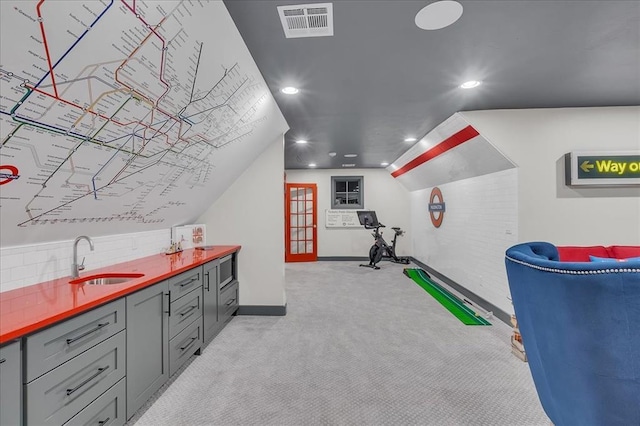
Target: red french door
<point>301,222</point>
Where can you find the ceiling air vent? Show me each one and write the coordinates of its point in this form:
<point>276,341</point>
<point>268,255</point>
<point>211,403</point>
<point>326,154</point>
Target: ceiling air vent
<point>307,20</point>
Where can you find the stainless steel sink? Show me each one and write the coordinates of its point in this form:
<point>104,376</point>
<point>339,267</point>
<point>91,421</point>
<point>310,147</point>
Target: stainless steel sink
<point>106,279</point>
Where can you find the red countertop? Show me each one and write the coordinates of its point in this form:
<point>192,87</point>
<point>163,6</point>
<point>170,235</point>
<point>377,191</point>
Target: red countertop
<point>31,308</point>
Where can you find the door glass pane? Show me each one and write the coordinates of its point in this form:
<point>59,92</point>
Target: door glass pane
<point>300,206</point>
<point>294,207</point>
<point>309,219</point>
<point>309,234</point>
<point>294,194</point>
<point>309,206</point>
<point>301,247</point>
<point>294,247</point>
<point>301,220</point>
<point>294,220</point>
<point>309,196</point>
<point>309,246</point>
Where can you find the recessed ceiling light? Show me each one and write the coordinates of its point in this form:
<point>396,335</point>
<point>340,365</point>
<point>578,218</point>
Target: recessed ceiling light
<point>438,15</point>
<point>410,139</point>
<point>470,84</point>
<point>312,165</point>
<point>301,141</point>
<point>332,154</point>
<point>289,90</point>
<point>384,164</point>
<point>348,165</point>
<point>351,155</point>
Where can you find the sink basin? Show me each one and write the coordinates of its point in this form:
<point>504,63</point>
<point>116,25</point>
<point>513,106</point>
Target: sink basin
<point>106,279</point>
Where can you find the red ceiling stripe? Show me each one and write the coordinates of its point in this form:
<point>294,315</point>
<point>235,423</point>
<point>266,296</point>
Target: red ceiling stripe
<point>451,142</point>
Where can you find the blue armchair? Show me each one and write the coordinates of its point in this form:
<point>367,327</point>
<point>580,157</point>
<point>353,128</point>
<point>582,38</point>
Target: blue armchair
<point>580,326</point>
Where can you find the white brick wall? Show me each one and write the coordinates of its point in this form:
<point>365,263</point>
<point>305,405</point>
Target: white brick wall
<point>21,266</point>
<point>480,223</point>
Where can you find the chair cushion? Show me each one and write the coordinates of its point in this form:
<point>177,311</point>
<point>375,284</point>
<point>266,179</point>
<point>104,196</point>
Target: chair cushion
<point>623,252</point>
<point>581,253</point>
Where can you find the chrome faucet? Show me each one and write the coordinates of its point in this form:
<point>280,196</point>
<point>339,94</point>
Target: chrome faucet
<point>75,268</point>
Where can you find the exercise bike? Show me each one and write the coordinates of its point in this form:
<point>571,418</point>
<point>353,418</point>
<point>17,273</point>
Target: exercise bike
<point>380,249</point>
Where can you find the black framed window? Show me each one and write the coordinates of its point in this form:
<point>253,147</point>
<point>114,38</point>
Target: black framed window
<point>347,192</point>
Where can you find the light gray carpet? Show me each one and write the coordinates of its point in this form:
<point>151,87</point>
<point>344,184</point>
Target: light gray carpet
<point>357,347</point>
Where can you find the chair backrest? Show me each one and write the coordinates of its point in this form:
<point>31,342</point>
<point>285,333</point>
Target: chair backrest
<point>580,326</point>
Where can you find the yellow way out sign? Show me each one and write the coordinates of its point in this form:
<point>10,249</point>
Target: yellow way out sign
<point>598,168</point>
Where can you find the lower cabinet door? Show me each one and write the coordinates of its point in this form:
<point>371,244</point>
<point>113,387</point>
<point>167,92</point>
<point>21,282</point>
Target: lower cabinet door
<point>54,398</point>
<point>228,299</point>
<point>185,344</point>
<point>10,384</point>
<point>211,325</point>
<point>107,410</point>
<point>147,344</point>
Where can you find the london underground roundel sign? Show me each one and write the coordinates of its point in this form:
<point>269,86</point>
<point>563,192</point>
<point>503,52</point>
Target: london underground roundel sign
<point>436,207</point>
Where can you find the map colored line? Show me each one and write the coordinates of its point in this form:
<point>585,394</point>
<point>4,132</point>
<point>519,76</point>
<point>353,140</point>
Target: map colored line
<point>44,39</point>
<point>46,48</point>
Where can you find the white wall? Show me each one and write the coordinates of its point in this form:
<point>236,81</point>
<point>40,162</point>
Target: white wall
<point>24,265</point>
<point>536,140</point>
<point>251,213</point>
<point>382,193</point>
<point>479,224</point>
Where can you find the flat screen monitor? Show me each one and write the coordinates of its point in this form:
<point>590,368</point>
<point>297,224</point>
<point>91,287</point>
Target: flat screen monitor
<point>367,218</point>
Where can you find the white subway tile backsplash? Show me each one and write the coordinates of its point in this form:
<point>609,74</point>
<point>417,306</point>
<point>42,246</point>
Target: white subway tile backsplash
<point>12,261</point>
<point>480,223</point>
<point>21,266</point>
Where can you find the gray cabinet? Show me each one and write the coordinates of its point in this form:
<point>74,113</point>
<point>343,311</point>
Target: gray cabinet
<point>183,345</point>
<point>184,311</point>
<point>185,326</point>
<point>57,396</point>
<point>185,282</point>
<point>228,302</point>
<point>147,344</point>
<point>108,409</point>
<point>58,344</point>
<point>10,384</point>
<point>210,300</point>
<point>71,364</point>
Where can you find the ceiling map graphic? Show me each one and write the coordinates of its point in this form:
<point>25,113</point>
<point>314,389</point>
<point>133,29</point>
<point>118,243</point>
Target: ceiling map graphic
<point>127,115</point>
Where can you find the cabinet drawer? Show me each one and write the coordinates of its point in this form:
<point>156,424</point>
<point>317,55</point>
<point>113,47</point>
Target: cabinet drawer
<point>184,311</point>
<point>184,345</point>
<point>185,282</point>
<point>10,384</point>
<point>228,300</point>
<point>50,348</point>
<point>107,410</point>
<point>55,397</point>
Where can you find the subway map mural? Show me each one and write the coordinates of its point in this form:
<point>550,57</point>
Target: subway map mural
<point>122,115</point>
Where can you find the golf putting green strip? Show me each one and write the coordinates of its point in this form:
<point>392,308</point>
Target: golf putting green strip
<point>446,299</point>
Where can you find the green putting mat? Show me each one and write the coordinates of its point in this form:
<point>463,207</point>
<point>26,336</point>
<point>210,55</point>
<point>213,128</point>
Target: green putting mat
<point>446,299</point>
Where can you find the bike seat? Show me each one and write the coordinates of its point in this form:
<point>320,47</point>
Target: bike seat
<point>395,228</point>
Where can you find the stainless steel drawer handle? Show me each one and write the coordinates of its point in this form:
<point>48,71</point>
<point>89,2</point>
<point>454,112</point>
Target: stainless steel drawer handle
<point>191,308</point>
<point>93,330</point>
<point>207,275</point>
<point>230,302</point>
<point>193,339</point>
<point>2,361</point>
<point>97,373</point>
<point>189,282</point>
<point>104,422</point>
